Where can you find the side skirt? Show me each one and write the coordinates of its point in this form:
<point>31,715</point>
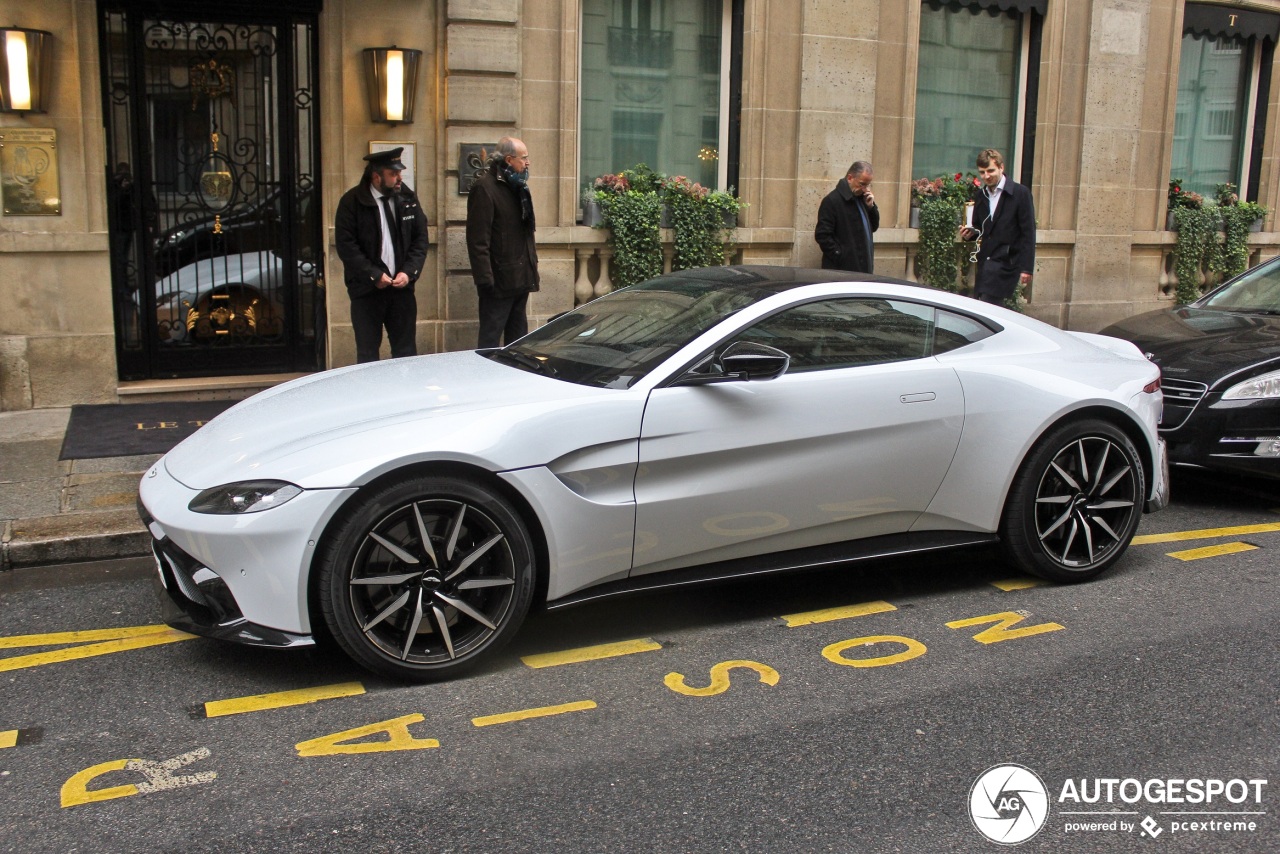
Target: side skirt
<point>798,560</point>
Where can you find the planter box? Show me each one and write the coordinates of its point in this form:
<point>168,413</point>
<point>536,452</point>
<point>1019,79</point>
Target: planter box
<point>666,217</point>
<point>730,219</point>
<point>914,222</point>
<point>592,215</point>
<point>1169,223</point>
<point>1256,225</point>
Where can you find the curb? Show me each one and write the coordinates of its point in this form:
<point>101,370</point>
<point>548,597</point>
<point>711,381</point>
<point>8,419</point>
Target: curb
<point>73,538</point>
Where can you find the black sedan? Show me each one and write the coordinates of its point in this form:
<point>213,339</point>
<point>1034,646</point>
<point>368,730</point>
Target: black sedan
<point>1220,359</point>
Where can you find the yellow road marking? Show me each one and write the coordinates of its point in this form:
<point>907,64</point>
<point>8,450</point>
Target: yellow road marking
<point>1213,551</point>
<point>1001,631</point>
<point>720,678</point>
<point>835,652</point>
<point>55,638</point>
<point>398,738</point>
<point>590,653</point>
<point>132,640</point>
<point>1206,533</point>
<point>76,790</point>
<point>1011,584</point>
<point>281,699</point>
<point>526,714</point>
<point>8,738</point>
<point>827,615</point>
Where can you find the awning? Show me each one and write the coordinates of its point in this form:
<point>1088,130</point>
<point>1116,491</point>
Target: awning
<point>1229,22</point>
<point>992,6</point>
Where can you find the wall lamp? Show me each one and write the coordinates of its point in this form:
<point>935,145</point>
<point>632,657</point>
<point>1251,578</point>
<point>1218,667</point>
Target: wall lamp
<point>391,76</point>
<point>26,69</point>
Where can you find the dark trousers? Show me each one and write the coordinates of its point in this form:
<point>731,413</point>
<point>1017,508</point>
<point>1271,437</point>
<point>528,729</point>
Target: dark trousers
<point>394,308</point>
<point>502,318</point>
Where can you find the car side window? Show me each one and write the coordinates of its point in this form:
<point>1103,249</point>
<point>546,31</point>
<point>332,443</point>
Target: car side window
<point>955,331</point>
<point>847,332</point>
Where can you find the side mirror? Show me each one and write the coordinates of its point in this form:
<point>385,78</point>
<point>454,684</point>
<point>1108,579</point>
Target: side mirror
<point>755,361</point>
<point>741,361</point>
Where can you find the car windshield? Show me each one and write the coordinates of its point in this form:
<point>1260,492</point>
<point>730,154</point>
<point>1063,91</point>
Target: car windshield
<point>1254,292</point>
<point>613,341</point>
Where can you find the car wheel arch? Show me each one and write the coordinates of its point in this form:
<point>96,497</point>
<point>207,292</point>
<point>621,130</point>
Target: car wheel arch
<point>465,471</point>
<point>1117,418</point>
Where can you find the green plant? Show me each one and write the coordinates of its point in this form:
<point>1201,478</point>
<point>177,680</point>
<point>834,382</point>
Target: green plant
<point>1179,198</point>
<point>939,254</point>
<point>642,179</point>
<point>632,218</point>
<point>1232,256</point>
<point>1197,241</point>
<point>698,218</point>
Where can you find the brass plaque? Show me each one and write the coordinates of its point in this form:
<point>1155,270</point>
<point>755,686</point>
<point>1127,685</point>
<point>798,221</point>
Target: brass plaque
<point>29,172</point>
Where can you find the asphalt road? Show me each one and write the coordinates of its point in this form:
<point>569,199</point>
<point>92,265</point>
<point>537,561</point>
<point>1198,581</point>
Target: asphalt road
<point>1163,669</point>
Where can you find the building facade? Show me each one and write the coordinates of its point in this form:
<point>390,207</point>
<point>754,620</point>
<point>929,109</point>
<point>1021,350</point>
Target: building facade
<point>167,226</point>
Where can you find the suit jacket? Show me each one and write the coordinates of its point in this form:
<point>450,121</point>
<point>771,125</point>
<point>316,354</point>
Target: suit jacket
<point>358,236</point>
<point>841,232</point>
<point>1008,239</point>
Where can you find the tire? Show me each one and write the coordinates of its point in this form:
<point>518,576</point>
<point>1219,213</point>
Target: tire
<point>1075,502</point>
<point>418,613</point>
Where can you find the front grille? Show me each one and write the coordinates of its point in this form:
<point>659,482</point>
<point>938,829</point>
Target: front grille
<point>1180,399</point>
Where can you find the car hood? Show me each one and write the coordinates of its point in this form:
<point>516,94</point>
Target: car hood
<point>1203,345</point>
<point>352,417</point>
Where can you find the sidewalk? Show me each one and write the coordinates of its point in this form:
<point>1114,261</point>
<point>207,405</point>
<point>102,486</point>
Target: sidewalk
<point>62,511</point>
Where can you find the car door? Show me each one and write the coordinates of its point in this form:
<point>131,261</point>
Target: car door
<point>852,441</point>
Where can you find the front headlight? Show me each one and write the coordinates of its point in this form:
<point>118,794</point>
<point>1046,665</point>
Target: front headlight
<point>1265,386</point>
<point>251,496</point>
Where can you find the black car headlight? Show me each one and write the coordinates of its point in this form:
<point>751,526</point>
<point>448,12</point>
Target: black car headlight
<point>250,496</point>
<point>1262,387</point>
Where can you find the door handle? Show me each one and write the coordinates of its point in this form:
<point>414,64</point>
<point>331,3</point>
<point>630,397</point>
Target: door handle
<point>918,397</point>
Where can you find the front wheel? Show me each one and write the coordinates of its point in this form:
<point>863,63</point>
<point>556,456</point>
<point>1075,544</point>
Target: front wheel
<point>1075,503</point>
<point>424,577</point>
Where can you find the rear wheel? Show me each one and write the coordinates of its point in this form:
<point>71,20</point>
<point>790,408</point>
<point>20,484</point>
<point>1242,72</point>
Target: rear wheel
<point>425,577</point>
<point>1075,503</point>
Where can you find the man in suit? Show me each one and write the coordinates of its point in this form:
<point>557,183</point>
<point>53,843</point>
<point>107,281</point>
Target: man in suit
<point>381,234</point>
<point>847,217</point>
<point>1004,224</point>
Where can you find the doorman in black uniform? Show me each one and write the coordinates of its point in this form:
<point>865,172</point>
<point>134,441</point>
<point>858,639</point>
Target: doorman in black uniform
<point>381,235</point>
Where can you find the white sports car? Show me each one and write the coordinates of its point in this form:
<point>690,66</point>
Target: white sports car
<point>713,423</point>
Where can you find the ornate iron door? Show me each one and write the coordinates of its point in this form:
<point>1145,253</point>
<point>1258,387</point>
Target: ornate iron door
<point>212,146</point>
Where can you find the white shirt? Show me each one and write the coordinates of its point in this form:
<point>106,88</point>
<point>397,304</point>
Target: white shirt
<point>994,196</point>
<point>388,248</point>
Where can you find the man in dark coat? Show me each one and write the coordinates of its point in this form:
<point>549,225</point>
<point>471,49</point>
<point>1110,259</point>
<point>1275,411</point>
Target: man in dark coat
<point>500,243</point>
<point>381,235</point>
<point>847,218</point>
<point>1004,224</point>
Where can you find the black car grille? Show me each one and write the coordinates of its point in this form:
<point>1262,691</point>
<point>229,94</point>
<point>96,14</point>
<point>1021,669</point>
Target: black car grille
<point>1180,400</point>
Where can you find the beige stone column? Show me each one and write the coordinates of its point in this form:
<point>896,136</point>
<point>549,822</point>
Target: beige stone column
<point>1115,111</point>
<point>482,89</point>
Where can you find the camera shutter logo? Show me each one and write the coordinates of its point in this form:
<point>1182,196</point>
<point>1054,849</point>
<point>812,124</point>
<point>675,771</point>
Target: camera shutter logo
<point>1008,804</point>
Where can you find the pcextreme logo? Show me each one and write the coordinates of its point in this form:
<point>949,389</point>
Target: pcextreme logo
<point>1010,804</point>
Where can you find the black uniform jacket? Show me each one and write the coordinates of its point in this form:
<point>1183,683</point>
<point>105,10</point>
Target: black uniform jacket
<point>358,234</point>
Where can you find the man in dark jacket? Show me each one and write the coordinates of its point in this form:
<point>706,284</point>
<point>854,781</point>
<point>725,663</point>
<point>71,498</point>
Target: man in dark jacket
<point>500,243</point>
<point>847,218</point>
<point>1004,224</point>
<point>381,234</point>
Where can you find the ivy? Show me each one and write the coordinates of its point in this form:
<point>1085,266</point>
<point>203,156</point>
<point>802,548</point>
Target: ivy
<point>939,253</point>
<point>1197,240</point>
<point>633,218</point>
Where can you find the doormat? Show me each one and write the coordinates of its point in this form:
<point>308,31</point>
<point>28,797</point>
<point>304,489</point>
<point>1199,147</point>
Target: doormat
<point>133,429</point>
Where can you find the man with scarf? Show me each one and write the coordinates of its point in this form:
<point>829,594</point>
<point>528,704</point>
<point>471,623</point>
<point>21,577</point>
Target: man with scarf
<point>380,231</point>
<point>504,260</point>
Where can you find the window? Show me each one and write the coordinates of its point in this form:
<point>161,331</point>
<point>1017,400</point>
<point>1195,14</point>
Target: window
<point>974,75</point>
<point>653,87</point>
<point>845,333</point>
<point>1222,97</point>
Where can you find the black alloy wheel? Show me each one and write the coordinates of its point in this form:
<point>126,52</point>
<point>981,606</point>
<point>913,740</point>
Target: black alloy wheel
<point>1075,503</point>
<point>425,577</point>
